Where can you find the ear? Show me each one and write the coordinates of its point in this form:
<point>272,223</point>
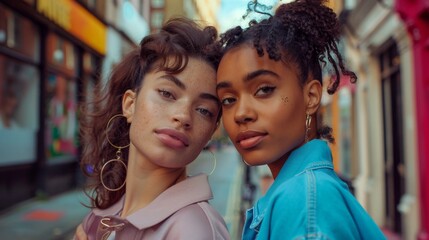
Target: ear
<point>128,104</point>
<point>313,94</point>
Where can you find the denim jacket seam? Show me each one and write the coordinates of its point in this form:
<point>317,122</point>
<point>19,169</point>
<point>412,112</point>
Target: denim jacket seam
<point>315,235</point>
<point>316,166</point>
<point>311,203</point>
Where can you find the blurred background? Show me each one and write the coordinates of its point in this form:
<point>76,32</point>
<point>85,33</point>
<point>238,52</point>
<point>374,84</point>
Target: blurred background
<point>53,52</point>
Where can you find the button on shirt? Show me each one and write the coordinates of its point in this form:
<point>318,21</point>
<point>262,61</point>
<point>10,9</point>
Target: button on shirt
<point>180,212</point>
<point>307,200</point>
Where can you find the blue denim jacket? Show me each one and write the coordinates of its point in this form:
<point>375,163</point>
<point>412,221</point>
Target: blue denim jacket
<point>308,201</point>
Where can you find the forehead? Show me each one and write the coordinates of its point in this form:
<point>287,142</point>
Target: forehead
<point>244,59</point>
<point>197,75</point>
<point>198,72</point>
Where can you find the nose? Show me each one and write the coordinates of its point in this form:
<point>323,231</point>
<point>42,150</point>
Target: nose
<point>244,112</point>
<point>182,117</point>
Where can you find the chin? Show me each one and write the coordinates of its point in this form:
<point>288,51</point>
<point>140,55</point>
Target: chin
<point>254,158</point>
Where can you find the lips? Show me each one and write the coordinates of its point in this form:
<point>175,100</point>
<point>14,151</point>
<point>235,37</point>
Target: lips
<point>249,139</point>
<point>172,138</point>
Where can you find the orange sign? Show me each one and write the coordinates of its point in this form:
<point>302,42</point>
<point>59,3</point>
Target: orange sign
<point>77,20</point>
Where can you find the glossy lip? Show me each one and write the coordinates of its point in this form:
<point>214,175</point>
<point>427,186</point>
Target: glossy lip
<point>255,137</point>
<point>172,137</point>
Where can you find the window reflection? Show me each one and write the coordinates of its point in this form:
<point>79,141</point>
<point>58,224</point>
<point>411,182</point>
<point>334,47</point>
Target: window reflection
<point>19,33</point>
<point>19,108</point>
<point>61,122</point>
<point>61,54</point>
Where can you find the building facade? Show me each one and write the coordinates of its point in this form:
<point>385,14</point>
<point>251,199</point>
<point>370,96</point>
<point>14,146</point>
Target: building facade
<point>52,54</point>
<point>203,11</point>
<point>375,119</point>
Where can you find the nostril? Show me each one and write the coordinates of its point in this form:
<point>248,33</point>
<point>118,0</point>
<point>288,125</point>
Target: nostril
<point>248,119</point>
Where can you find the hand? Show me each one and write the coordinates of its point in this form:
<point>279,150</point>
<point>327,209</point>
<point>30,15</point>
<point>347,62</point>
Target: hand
<point>80,233</point>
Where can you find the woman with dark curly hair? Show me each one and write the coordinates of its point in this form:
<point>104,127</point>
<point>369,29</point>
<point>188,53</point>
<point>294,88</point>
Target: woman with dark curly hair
<point>269,82</point>
<point>155,116</point>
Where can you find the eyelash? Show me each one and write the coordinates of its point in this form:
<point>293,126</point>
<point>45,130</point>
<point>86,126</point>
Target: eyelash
<point>203,111</point>
<point>267,90</point>
<point>227,99</point>
<point>166,94</point>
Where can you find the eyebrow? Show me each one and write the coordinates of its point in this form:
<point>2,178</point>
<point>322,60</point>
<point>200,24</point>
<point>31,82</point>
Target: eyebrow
<point>249,77</point>
<point>211,97</point>
<point>258,73</point>
<point>175,80</point>
<point>180,84</point>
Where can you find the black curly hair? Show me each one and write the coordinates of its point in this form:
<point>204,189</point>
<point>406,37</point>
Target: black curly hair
<point>305,32</point>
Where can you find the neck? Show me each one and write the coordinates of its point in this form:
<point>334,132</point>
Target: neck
<point>144,185</point>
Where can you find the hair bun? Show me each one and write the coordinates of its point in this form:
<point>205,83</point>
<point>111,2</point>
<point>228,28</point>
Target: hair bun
<point>310,18</point>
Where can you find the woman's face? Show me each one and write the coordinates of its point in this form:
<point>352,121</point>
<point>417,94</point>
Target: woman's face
<point>173,116</point>
<point>263,105</point>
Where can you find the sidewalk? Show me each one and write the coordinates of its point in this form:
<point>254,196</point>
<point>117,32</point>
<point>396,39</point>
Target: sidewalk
<point>54,218</point>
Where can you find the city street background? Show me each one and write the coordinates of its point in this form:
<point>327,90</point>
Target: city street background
<point>54,52</point>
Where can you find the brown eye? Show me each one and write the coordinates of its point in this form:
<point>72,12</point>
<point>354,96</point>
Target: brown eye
<point>265,90</point>
<point>227,101</point>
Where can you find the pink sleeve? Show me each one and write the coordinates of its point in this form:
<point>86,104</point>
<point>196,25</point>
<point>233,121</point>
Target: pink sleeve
<point>89,225</point>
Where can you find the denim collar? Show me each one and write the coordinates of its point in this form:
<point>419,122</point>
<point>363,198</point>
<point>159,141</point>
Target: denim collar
<point>312,155</point>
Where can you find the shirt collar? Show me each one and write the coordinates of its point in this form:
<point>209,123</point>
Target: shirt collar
<point>192,190</point>
<point>313,154</point>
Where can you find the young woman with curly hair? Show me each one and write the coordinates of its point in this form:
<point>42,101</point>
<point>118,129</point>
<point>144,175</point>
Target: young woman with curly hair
<point>155,116</point>
<point>269,82</point>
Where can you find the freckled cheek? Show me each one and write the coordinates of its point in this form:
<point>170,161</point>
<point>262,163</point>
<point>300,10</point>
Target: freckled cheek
<point>204,130</point>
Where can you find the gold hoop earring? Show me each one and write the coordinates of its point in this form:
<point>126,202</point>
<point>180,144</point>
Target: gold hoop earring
<point>114,160</point>
<point>307,126</point>
<point>214,162</point>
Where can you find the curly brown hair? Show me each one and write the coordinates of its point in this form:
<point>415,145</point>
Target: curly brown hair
<point>169,51</point>
<point>304,32</point>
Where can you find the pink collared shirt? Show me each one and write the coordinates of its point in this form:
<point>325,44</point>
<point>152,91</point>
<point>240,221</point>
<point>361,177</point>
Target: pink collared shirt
<point>180,212</point>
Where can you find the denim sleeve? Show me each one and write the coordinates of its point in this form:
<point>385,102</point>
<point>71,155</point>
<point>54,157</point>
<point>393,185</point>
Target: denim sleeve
<point>286,215</point>
<point>310,206</point>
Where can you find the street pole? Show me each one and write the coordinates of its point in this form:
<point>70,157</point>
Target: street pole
<point>415,14</point>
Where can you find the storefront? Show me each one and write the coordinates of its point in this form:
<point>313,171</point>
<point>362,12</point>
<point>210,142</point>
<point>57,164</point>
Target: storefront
<point>51,53</point>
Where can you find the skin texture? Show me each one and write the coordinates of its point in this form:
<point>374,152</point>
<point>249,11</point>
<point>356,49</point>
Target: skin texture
<point>167,107</point>
<point>256,104</point>
<point>263,126</point>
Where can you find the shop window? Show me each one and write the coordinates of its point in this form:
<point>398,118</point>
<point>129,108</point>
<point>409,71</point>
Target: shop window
<point>157,19</point>
<point>91,3</point>
<point>90,63</point>
<point>61,121</point>
<point>394,156</point>
<point>61,54</point>
<point>96,6</point>
<point>345,131</point>
<point>157,3</point>
<point>19,108</point>
<point>91,67</point>
<point>19,33</point>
